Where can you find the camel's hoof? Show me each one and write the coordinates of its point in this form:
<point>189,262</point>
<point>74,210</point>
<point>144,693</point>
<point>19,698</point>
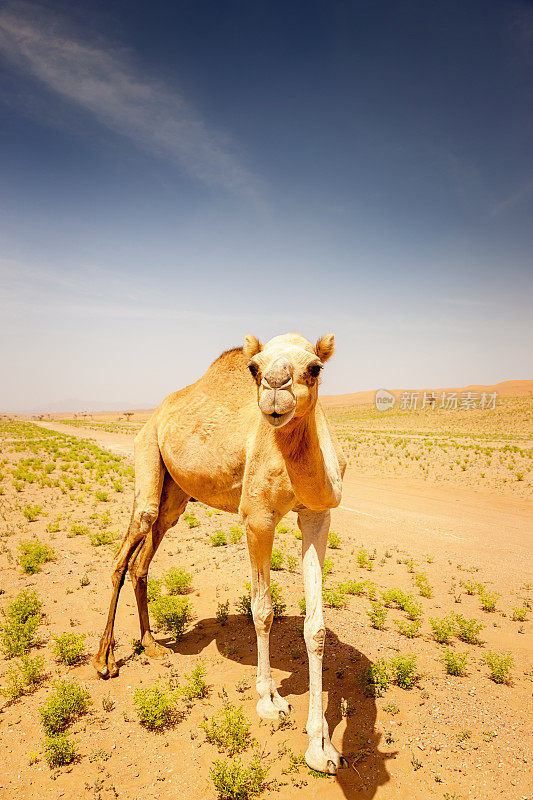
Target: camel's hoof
<point>325,759</point>
<point>105,670</point>
<point>266,709</point>
<point>156,650</point>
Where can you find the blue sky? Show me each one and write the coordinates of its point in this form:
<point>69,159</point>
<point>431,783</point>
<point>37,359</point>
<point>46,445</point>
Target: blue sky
<point>176,175</point>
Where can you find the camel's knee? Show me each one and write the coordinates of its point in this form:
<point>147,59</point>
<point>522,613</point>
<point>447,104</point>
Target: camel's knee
<point>263,614</point>
<point>315,637</point>
<point>145,519</point>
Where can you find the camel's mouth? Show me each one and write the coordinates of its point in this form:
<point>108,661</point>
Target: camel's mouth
<point>278,420</point>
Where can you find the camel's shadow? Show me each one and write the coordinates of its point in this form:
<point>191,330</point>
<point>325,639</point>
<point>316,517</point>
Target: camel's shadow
<point>343,666</point>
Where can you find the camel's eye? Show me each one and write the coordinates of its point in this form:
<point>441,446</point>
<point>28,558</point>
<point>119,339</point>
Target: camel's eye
<point>314,370</point>
<point>254,369</point>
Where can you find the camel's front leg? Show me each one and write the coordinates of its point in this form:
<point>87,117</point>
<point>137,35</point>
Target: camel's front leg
<point>320,755</point>
<point>260,538</point>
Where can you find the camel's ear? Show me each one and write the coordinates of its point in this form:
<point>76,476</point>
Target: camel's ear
<point>252,346</point>
<point>325,347</point>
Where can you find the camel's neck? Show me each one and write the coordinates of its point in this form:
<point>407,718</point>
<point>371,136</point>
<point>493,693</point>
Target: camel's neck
<point>311,461</point>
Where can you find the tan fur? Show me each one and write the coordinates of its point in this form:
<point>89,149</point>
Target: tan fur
<point>260,446</point>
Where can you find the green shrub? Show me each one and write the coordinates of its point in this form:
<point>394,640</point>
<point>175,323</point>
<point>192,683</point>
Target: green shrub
<point>172,614</point>
<point>223,612</point>
<point>155,707</point>
<point>59,750</point>
<point>191,520</point>
<point>327,568</point>
<point>68,702</point>
<point>103,497</point>
<point>443,629</point>
<point>335,597</point>
<point>519,613</point>
<point>77,529</point>
<point>234,781</point>
<point>377,615</point>
<point>276,559</point>
<point>68,648</point>
<point>408,629</point>
<point>376,678</point>
<point>500,665</point>
<point>422,583</point>
<point>196,687</point>
<point>334,540</point>
<point>454,663</point>
<point>396,597</point>
<point>229,730</point>
<point>235,534</point>
<point>177,581</point>
<point>218,539</point>
<point>153,589</point>
<point>33,555</point>
<point>354,587</point>
<point>23,615</point>
<point>31,512</point>
<point>101,537</point>
<point>363,559</point>
<point>26,675</point>
<point>302,605</point>
<point>412,609</point>
<point>118,486</point>
<point>468,630</point>
<point>488,600</point>
<point>470,587</point>
<point>403,671</point>
<point>292,562</point>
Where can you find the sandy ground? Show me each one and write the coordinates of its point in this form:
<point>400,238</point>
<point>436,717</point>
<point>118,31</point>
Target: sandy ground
<point>453,737</point>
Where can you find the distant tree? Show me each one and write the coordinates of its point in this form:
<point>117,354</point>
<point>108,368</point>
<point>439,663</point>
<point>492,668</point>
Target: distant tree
<point>128,414</point>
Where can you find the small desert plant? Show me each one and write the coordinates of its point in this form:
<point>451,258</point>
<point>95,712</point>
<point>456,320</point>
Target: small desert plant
<point>488,600</point>
<point>68,648</point>
<point>328,567</point>
<point>102,537</point>
<point>153,589</point>
<point>377,615</point>
<point>33,555</point>
<point>335,597</point>
<point>354,587</point>
<point>276,559</point>
<point>334,540</point>
<point>235,534</point>
<point>234,781</point>
<point>454,663</point>
<point>408,629</point>
<point>23,616</point>
<point>196,687</point>
<point>177,581</point>
<point>468,630</point>
<point>223,612</point>
<point>59,750</point>
<point>218,539</point>
<point>500,665</point>
<point>403,671</point>
<point>103,497</point>
<point>24,677</point>
<point>519,613</point>
<point>172,614</point>
<point>302,605</point>
<point>229,730</point>
<point>68,702</point>
<point>363,559</point>
<point>470,587</point>
<point>155,707</point>
<point>31,512</point>
<point>191,520</point>
<point>376,678</point>
<point>391,708</point>
<point>422,583</point>
<point>443,629</point>
<point>77,530</point>
<point>292,562</point>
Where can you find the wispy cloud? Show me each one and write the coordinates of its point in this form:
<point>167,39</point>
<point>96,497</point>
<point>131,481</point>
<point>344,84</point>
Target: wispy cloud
<point>514,199</point>
<point>103,80</point>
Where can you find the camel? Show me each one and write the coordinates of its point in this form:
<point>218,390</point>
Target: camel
<point>249,437</point>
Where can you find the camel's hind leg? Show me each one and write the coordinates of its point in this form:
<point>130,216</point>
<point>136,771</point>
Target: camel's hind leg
<point>149,475</point>
<point>171,507</point>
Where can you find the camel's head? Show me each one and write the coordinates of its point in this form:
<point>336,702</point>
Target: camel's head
<point>286,370</point>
